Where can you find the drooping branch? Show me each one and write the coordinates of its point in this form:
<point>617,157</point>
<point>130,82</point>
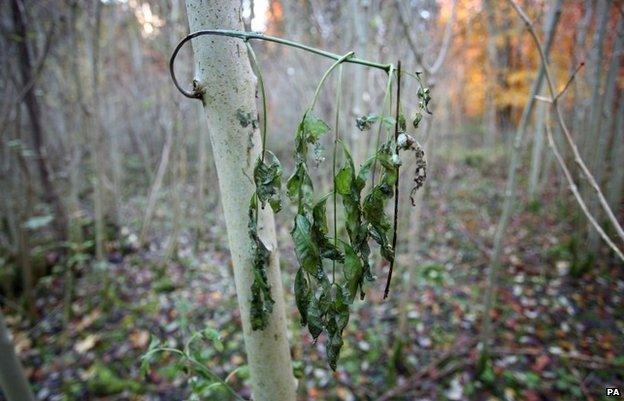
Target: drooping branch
<point>246,36</point>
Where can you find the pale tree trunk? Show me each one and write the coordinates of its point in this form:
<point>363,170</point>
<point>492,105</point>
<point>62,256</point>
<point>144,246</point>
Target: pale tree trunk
<point>224,74</point>
<point>155,188</point>
<point>178,182</point>
<point>538,140</point>
<point>491,126</point>
<point>96,138</point>
<point>578,54</point>
<point>508,205</point>
<point>12,379</point>
<point>75,233</point>
<point>592,126</point>
<point>616,181</point>
<point>537,151</point>
<point>178,170</point>
<point>603,131</point>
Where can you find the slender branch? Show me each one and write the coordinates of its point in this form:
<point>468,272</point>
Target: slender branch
<point>577,157</point>
<point>546,99</point>
<point>572,76</point>
<point>396,186</point>
<point>577,195</point>
<point>246,36</point>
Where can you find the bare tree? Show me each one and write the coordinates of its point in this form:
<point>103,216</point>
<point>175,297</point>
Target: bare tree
<point>32,106</point>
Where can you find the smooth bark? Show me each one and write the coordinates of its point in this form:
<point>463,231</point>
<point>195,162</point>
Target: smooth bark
<point>224,74</point>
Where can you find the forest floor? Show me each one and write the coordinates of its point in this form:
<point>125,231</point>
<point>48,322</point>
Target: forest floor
<point>559,321</point>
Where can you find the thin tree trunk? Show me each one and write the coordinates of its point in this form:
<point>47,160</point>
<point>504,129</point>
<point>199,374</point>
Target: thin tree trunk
<point>12,379</point>
<point>491,126</point>
<point>34,112</point>
<point>578,54</point>
<point>537,151</point>
<point>616,181</point>
<point>224,73</point>
<point>538,140</point>
<point>97,140</point>
<point>604,131</point>
<point>592,126</point>
<point>508,206</point>
<point>155,188</point>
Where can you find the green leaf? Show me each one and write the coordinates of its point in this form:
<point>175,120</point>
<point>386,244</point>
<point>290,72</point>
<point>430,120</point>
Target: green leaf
<point>268,180</point>
<point>213,337</point>
<point>319,232</point>
<point>307,250</point>
<point>343,180</point>
<point>402,123</point>
<point>313,127</point>
<point>417,120</point>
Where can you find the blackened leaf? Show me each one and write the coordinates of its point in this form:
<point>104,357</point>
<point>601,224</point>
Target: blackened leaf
<point>268,180</point>
<point>261,301</point>
<point>337,319</point>
<point>333,350</point>
<point>315,320</point>
<point>299,186</point>
<point>364,123</point>
<point>302,295</point>
<point>353,271</point>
